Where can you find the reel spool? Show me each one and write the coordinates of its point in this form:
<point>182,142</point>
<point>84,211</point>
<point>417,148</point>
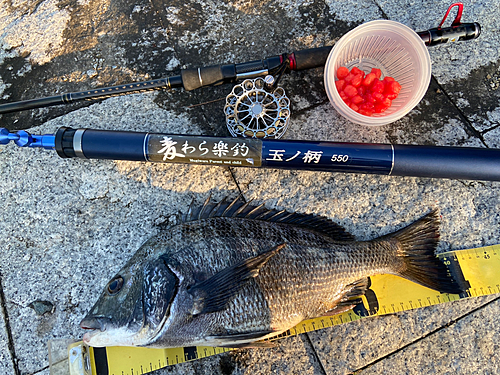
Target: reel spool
<point>255,109</point>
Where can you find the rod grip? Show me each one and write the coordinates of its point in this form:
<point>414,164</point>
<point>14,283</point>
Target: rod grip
<point>100,144</point>
<point>311,58</point>
<point>194,78</point>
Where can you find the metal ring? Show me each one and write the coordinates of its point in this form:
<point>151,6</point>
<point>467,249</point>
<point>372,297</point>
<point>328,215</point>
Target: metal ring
<point>255,111</point>
<point>77,143</point>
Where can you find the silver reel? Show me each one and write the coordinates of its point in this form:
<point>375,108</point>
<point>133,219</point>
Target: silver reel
<point>254,109</point>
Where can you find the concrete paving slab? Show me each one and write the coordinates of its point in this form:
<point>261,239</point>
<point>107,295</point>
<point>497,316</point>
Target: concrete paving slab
<point>354,347</point>
<point>67,225</point>
<point>465,347</point>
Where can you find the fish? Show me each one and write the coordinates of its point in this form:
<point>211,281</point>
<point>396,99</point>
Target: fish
<point>233,274</point>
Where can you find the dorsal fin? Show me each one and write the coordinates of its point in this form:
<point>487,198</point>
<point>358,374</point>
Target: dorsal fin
<point>241,209</point>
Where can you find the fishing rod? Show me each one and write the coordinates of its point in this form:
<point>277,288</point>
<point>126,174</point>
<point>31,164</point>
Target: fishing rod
<point>384,159</point>
<point>194,78</point>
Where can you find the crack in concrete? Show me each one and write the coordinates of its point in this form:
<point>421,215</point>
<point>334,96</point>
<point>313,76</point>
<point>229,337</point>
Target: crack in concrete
<point>384,15</point>
<point>449,324</point>
<point>10,344</point>
<point>490,129</point>
<point>318,359</point>
<point>39,371</point>
<point>235,180</point>
<point>298,113</point>
<point>462,115</point>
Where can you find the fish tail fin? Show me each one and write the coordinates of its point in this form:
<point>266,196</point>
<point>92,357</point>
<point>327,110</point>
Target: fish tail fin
<point>416,249</point>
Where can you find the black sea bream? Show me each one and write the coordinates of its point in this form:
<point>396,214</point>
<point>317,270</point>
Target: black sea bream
<point>232,274</point>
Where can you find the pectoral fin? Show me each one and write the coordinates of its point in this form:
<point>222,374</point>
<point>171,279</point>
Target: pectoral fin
<point>214,293</point>
<point>355,290</point>
<point>351,298</point>
<point>343,307</point>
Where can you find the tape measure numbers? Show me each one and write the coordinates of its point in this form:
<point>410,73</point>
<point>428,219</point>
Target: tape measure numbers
<point>477,270</point>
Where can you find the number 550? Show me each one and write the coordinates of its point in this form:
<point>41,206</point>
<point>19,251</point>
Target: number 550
<point>340,158</point>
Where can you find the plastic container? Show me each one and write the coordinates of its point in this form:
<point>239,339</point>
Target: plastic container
<point>393,48</point>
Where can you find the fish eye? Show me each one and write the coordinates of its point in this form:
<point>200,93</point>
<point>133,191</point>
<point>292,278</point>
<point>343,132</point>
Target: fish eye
<point>115,285</point>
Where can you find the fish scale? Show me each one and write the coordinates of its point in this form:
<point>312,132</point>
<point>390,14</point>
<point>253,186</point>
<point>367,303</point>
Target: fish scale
<point>234,274</point>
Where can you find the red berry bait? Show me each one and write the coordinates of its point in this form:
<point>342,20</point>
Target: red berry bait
<point>366,94</point>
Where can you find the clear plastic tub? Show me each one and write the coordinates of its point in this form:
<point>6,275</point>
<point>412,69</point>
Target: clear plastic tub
<point>393,48</point>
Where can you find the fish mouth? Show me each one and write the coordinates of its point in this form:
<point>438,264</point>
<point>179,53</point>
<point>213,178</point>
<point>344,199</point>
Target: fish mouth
<point>95,323</point>
<point>95,326</point>
<point>102,332</point>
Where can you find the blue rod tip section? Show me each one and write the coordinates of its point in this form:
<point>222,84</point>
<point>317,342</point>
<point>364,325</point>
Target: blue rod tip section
<point>24,139</point>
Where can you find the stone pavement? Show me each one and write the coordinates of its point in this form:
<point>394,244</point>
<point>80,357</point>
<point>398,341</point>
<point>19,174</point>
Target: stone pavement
<point>68,225</point>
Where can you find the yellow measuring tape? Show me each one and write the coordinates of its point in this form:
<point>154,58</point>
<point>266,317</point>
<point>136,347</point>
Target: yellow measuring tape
<point>477,269</point>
